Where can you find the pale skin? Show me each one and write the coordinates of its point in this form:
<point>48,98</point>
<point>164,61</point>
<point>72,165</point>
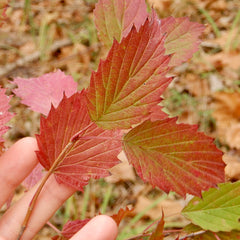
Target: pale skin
<point>15,165</point>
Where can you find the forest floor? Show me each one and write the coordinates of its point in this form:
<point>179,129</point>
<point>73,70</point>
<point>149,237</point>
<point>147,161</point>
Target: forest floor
<point>42,36</point>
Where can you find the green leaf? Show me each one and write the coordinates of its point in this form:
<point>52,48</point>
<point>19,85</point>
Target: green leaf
<point>174,157</point>
<point>218,210</point>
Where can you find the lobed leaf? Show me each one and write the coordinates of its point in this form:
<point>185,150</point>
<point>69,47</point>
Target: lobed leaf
<point>39,93</point>
<point>5,115</point>
<point>114,19</point>
<point>218,210</point>
<point>174,157</point>
<point>130,81</point>
<point>182,38</point>
<point>92,154</point>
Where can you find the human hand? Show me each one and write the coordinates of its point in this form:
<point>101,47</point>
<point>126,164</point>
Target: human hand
<point>15,165</point>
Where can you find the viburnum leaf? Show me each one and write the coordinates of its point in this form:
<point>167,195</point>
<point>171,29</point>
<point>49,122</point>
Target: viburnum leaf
<point>5,115</point>
<point>114,19</point>
<point>174,157</point>
<point>71,228</point>
<point>39,93</point>
<point>90,155</point>
<point>132,78</point>
<point>158,232</point>
<point>218,210</point>
<point>122,213</point>
<point>182,38</point>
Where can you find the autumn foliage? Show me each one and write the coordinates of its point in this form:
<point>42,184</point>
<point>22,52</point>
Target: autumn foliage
<point>82,132</point>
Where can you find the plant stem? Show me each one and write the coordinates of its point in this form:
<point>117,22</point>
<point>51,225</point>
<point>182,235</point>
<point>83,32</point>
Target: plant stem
<point>32,204</point>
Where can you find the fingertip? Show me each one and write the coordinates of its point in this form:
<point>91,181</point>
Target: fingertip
<point>101,227</point>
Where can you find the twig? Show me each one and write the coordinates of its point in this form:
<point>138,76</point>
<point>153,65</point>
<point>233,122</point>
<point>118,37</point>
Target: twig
<point>33,57</point>
<point>193,234</point>
<point>32,204</point>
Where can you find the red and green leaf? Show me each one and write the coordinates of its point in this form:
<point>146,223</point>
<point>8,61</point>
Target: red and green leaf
<point>91,154</point>
<point>5,115</point>
<point>114,19</point>
<point>182,38</point>
<point>39,93</point>
<point>131,80</point>
<point>174,157</point>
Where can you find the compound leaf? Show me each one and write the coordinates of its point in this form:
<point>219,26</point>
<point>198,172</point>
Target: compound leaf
<point>39,93</point>
<point>114,19</point>
<point>91,155</point>
<point>5,116</point>
<point>174,157</point>
<point>182,38</point>
<point>132,78</point>
<point>218,210</point>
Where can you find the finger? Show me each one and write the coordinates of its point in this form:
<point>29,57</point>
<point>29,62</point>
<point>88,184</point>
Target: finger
<point>15,165</point>
<point>50,199</point>
<point>99,228</point>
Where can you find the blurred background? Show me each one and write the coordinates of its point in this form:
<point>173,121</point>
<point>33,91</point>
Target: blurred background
<point>41,36</point>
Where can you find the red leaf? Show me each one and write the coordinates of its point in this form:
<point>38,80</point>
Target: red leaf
<point>39,93</point>
<point>129,83</point>
<point>182,38</point>
<point>174,157</point>
<point>158,232</point>
<point>90,156</point>
<point>114,19</point>
<point>121,215</point>
<point>34,177</point>
<point>71,228</point>
<point>5,116</point>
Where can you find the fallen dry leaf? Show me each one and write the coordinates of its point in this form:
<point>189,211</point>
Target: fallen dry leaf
<point>232,169</point>
<point>233,136</point>
<point>122,172</point>
<point>171,208</point>
<point>226,112</point>
<point>231,60</point>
